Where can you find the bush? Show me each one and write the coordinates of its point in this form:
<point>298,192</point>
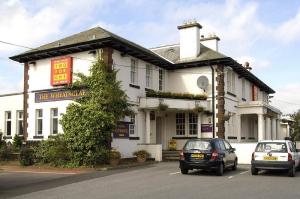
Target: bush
<point>5,152</point>
<point>17,142</point>
<point>26,156</point>
<point>52,151</point>
<point>114,154</point>
<point>142,153</point>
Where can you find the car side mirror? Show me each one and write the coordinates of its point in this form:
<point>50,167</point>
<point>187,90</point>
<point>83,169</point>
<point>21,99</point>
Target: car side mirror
<point>232,149</point>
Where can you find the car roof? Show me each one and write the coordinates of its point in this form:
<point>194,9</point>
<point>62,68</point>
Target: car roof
<point>274,141</point>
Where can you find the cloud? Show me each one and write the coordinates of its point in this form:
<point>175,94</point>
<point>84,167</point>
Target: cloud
<point>286,98</point>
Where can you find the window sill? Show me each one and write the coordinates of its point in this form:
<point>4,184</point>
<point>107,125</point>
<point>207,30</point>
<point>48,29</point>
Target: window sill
<point>134,138</point>
<point>52,136</point>
<point>38,137</point>
<point>231,138</point>
<point>244,99</point>
<point>231,94</point>
<point>183,137</point>
<point>7,137</point>
<point>134,86</point>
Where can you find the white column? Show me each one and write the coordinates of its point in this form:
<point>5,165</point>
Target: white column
<point>147,140</point>
<point>274,134</point>
<point>279,136</point>
<point>238,128</point>
<point>268,128</point>
<point>261,127</point>
<point>199,125</point>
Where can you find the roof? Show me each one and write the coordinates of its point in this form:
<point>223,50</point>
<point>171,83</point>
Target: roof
<point>166,57</point>
<point>88,40</point>
<point>206,57</point>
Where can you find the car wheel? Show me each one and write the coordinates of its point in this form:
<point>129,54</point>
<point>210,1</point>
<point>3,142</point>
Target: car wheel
<point>184,170</point>
<point>292,171</point>
<point>254,171</point>
<point>220,170</point>
<point>234,165</point>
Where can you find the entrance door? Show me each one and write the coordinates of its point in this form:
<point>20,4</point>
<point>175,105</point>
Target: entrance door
<point>158,130</point>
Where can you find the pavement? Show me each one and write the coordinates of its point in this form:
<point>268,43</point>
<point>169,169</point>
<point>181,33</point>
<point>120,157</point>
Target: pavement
<point>161,180</point>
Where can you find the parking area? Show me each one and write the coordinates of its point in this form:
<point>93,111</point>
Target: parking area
<point>164,180</point>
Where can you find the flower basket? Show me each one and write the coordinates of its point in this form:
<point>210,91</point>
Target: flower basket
<point>114,157</point>
<point>141,155</point>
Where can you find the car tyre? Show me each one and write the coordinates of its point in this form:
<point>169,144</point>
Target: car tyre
<point>220,170</point>
<point>254,171</point>
<point>184,171</point>
<point>234,167</point>
<point>292,171</point>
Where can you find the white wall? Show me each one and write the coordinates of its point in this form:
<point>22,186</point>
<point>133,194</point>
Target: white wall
<point>11,103</point>
<point>244,152</point>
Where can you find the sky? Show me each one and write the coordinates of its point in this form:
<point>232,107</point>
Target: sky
<point>266,33</point>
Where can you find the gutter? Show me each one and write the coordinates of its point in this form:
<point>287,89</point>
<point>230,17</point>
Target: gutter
<point>213,97</point>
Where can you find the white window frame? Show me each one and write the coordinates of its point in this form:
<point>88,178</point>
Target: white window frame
<point>193,124</point>
<point>20,120</point>
<point>52,118</point>
<point>7,119</point>
<point>161,79</point>
<point>134,71</point>
<point>148,76</point>
<point>132,126</point>
<point>231,81</point>
<point>37,118</point>
<point>180,124</point>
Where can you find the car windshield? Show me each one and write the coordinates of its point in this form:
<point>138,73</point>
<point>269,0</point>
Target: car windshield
<point>197,145</point>
<point>278,147</point>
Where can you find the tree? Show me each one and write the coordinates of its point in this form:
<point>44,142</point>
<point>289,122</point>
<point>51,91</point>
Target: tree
<point>89,123</point>
<point>296,125</point>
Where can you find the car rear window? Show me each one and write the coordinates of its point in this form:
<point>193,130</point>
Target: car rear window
<point>197,145</point>
<point>277,147</point>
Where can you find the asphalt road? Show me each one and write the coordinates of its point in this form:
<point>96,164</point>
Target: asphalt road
<point>164,181</point>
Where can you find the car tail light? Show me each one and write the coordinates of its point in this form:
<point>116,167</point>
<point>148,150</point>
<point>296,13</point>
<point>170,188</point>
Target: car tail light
<point>290,157</point>
<point>253,156</point>
<point>214,155</point>
<point>181,155</point>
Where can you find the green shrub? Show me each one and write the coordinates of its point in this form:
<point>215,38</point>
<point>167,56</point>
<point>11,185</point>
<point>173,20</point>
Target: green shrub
<point>5,152</point>
<point>159,94</point>
<point>26,156</point>
<point>17,142</point>
<point>142,153</point>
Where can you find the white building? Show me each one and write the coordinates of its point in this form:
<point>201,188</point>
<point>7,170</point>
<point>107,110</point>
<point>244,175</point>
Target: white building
<point>234,100</point>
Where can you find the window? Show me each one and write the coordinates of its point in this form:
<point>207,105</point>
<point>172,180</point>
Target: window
<point>54,121</point>
<point>39,122</point>
<point>243,88</point>
<point>161,79</point>
<point>230,81</point>
<point>20,128</point>
<point>193,123</point>
<point>180,124</point>
<point>148,76</point>
<point>132,125</point>
<point>8,123</point>
<point>133,72</point>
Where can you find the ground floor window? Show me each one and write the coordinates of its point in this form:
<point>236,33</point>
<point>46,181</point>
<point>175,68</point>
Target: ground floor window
<point>180,124</point>
<point>193,123</point>
<point>39,121</point>
<point>8,123</point>
<point>132,125</point>
<point>54,121</point>
<point>20,124</point>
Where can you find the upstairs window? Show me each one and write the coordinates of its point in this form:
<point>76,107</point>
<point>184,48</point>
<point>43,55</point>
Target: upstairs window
<point>161,79</point>
<point>243,89</point>
<point>148,76</point>
<point>8,123</point>
<point>230,81</point>
<point>20,117</point>
<point>133,72</point>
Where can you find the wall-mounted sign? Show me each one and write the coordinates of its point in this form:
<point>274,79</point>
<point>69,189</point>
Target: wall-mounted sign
<point>61,71</point>
<point>50,96</point>
<point>122,130</point>
<point>206,128</point>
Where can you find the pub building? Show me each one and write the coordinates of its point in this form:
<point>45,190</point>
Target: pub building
<point>178,91</point>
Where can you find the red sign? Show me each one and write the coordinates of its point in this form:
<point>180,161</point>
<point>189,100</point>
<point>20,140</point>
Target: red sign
<point>61,71</point>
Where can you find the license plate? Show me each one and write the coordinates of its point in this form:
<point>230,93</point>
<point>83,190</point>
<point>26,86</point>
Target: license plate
<point>197,155</point>
<point>270,158</point>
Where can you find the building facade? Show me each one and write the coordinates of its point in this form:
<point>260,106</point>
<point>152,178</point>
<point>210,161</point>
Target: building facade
<point>178,92</point>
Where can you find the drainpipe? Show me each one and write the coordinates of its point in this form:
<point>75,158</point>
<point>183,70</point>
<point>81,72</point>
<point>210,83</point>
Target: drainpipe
<point>213,97</point>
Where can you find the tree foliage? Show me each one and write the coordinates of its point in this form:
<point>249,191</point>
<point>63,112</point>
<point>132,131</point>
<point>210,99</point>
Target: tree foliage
<point>296,125</point>
<point>89,123</point>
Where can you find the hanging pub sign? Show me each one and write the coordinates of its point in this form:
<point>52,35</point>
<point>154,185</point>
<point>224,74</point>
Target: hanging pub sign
<point>206,128</point>
<point>61,71</point>
<point>122,130</point>
<point>58,95</point>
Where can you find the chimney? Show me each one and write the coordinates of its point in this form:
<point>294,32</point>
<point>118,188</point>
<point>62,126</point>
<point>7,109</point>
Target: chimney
<point>189,34</point>
<point>211,41</point>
